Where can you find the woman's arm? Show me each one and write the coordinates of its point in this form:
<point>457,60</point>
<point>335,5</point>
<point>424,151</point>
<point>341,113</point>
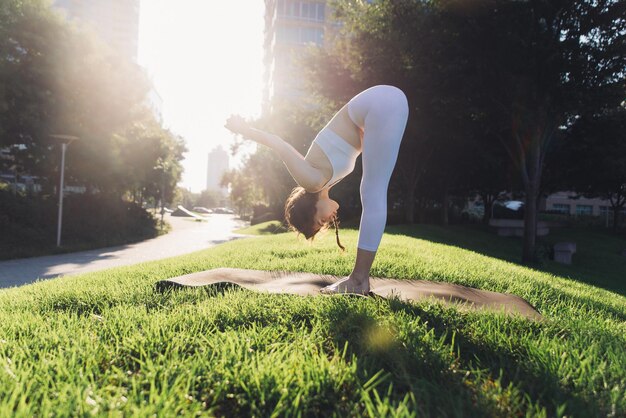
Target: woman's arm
<point>301,170</point>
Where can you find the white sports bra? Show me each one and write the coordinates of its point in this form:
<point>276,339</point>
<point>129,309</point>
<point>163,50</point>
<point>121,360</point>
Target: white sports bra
<point>341,154</point>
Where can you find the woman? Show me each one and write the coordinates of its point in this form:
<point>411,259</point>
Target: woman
<point>372,124</point>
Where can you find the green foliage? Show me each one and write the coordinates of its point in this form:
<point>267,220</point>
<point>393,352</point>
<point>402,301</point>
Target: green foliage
<point>149,161</point>
<point>244,190</point>
<point>29,224</point>
<point>594,153</point>
<point>58,78</point>
<point>107,343</point>
<point>209,199</point>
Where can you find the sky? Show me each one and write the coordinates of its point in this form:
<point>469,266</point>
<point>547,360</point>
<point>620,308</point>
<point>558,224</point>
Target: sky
<point>205,59</point>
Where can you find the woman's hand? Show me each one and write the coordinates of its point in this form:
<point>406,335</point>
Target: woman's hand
<point>237,125</point>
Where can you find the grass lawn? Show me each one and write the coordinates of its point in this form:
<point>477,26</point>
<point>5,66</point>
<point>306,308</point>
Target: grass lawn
<point>265,228</point>
<point>107,344</point>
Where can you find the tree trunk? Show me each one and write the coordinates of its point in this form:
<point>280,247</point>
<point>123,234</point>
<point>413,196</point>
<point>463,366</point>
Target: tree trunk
<point>616,213</point>
<point>617,204</point>
<point>488,200</point>
<point>530,226</point>
<point>532,182</point>
<point>409,178</point>
<point>532,159</point>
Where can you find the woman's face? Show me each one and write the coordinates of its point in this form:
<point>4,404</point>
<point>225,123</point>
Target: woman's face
<point>326,211</point>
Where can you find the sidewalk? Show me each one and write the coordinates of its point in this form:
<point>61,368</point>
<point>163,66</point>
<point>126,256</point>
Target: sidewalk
<point>186,236</point>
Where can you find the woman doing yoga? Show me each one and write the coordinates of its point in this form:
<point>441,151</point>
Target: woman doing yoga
<point>372,124</point>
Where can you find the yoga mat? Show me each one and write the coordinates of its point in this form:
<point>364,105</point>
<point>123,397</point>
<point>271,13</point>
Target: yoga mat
<point>307,284</point>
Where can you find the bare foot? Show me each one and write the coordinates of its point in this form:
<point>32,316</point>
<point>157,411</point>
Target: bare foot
<point>348,285</point>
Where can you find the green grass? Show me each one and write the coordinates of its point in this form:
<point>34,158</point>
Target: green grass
<point>107,344</point>
<point>598,259</point>
<point>264,228</point>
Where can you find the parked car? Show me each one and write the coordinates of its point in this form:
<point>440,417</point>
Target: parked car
<point>514,204</point>
<point>510,209</point>
<point>223,210</point>
<point>201,209</point>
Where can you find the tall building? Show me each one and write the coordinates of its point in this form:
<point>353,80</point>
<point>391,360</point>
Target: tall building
<point>217,165</point>
<point>116,21</point>
<point>290,25</point>
<point>117,24</point>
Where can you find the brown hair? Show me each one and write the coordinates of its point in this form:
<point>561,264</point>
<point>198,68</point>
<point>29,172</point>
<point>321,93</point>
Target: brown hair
<point>300,210</point>
<point>299,213</point>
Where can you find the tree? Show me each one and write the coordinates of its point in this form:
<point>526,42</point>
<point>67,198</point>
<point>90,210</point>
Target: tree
<point>244,190</point>
<point>149,159</point>
<point>209,198</point>
<point>595,158</point>
<point>56,79</point>
<point>540,63</point>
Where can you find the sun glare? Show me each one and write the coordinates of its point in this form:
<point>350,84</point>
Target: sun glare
<point>205,59</point>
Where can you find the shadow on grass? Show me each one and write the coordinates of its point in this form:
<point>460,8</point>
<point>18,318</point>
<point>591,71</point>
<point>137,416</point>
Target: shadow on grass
<point>438,381</point>
<point>273,229</point>
<point>597,262</point>
<point>423,373</point>
<point>515,364</point>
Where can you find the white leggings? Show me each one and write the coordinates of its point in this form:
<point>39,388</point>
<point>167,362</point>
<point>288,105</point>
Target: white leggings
<point>382,113</point>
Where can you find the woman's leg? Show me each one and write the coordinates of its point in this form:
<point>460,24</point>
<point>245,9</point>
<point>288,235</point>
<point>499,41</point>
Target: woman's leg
<point>383,125</point>
<point>386,113</point>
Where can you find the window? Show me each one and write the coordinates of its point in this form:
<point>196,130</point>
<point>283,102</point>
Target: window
<point>306,10</point>
<point>293,9</point>
<point>299,35</point>
<point>584,210</point>
<point>320,12</point>
<point>561,208</point>
<point>288,34</point>
<point>314,35</point>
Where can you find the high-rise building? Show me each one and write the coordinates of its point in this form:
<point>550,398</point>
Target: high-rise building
<point>217,165</point>
<point>115,21</point>
<point>290,25</point>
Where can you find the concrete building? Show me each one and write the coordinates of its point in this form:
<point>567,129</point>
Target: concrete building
<point>290,26</point>
<point>117,24</point>
<point>569,204</point>
<point>115,21</point>
<point>217,165</point>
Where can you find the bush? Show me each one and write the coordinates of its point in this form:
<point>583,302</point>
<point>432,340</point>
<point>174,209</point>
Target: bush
<point>29,224</point>
<point>265,217</point>
<point>263,213</point>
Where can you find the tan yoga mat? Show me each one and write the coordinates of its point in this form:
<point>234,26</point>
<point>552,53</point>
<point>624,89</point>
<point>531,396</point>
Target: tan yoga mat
<point>306,284</point>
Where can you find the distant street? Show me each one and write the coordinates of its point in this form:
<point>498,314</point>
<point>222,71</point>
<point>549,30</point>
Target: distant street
<point>186,236</point>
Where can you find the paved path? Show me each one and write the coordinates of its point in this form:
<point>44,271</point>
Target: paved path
<point>186,236</point>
